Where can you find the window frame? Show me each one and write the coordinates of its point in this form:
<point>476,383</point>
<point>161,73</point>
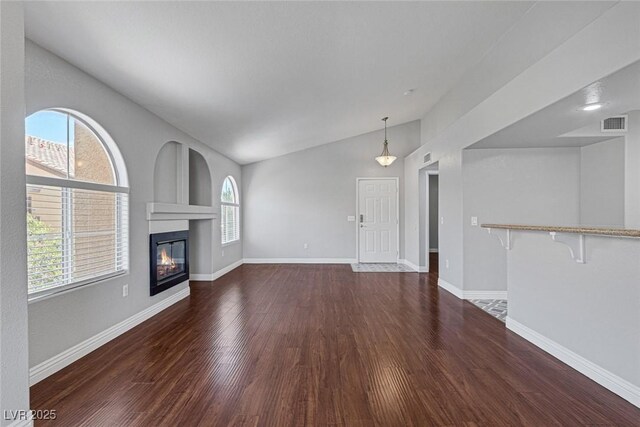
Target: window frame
<point>120,186</point>
<point>236,204</point>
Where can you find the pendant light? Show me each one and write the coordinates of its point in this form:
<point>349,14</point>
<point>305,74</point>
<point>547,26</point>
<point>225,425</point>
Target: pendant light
<point>385,159</point>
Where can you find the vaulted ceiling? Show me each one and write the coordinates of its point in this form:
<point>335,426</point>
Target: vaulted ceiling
<point>258,80</point>
<point>566,124</point>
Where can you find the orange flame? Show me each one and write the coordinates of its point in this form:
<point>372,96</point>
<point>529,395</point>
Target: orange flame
<point>166,259</point>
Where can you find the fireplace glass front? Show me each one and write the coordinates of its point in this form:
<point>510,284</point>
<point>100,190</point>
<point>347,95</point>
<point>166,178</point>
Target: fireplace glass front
<point>169,253</point>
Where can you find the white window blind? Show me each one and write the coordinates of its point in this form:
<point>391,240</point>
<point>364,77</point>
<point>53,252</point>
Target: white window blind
<point>230,211</point>
<point>75,235</point>
<point>229,221</point>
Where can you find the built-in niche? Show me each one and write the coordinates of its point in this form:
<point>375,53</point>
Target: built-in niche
<point>199,180</point>
<point>182,177</point>
<point>165,175</point>
<point>183,192</point>
<point>201,231</point>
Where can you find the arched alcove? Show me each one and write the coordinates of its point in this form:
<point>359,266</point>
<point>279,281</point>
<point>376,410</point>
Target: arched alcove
<point>199,180</point>
<point>165,174</point>
<point>183,191</point>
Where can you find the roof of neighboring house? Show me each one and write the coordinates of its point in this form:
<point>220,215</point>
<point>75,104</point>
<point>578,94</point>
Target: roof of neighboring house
<point>49,154</point>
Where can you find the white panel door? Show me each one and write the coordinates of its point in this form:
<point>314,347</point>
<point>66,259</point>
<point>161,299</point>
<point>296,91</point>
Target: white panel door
<point>378,220</point>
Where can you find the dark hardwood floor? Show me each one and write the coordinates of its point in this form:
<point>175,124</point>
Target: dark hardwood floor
<point>294,345</point>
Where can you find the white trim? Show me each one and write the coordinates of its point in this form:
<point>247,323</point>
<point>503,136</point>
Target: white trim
<point>414,267</point>
<point>34,297</point>
<point>173,211</point>
<point>206,277</point>
<point>362,178</point>
<point>48,181</point>
<point>64,359</point>
<point>168,226</point>
<point>609,380</point>
<point>450,288</point>
<point>485,294</point>
<point>433,250</point>
<point>300,261</point>
<point>462,294</point>
<point>117,161</point>
<point>217,274</point>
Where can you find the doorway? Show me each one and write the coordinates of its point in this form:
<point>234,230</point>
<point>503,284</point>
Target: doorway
<point>429,220</point>
<point>378,223</point>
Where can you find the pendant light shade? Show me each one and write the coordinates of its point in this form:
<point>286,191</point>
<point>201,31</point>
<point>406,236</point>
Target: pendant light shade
<point>385,159</point>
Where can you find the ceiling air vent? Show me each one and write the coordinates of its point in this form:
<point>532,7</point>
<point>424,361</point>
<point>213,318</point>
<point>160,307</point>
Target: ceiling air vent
<point>427,158</point>
<point>614,124</point>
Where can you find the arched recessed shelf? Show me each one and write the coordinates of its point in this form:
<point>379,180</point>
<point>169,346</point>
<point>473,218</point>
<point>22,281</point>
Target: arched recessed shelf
<point>182,185</point>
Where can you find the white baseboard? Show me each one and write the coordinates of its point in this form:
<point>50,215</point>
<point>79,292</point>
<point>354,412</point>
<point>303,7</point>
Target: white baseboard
<point>299,261</point>
<point>201,277</point>
<point>462,294</point>
<point>450,288</point>
<point>62,360</point>
<point>217,274</point>
<point>619,386</point>
<point>414,267</point>
<point>484,294</point>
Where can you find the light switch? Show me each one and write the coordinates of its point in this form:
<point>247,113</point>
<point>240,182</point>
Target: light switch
<point>351,218</point>
<point>474,221</point>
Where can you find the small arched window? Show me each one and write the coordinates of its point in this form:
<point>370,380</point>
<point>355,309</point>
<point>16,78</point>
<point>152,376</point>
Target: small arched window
<point>229,211</point>
<point>77,203</point>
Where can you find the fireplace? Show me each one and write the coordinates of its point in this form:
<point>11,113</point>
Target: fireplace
<point>169,260</point>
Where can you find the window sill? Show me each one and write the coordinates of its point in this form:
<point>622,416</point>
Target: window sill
<point>62,290</point>
<point>233,242</point>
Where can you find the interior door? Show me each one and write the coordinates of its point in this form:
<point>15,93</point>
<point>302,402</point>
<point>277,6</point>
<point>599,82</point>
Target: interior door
<point>378,220</point>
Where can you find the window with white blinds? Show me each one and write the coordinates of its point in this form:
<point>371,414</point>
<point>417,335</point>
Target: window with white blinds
<point>229,211</point>
<point>77,214</point>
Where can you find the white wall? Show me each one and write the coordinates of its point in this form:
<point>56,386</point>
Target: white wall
<point>58,323</point>
<point>510,95</point>
<point>591,309</point>
<point>632,172</point>
<point>14,374</point>
<point>451,256</point>
<point>602,183</point>
<point>433,212</point>
<point>513,186</point>
<point>424,232</point>
<point>305,197</point>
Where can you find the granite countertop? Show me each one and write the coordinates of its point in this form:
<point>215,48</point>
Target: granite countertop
<point>600,231</point>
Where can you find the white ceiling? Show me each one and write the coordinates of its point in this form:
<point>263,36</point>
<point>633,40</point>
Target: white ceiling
<point>257,80</point>
<point>565,124</point>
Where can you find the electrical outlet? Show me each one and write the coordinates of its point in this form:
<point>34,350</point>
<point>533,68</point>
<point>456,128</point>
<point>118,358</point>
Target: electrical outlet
<point>306,246</point>
<point>474,221</point>
<point>222,253</point>
<point>446,263</point>
<point>125,290</point>
<point>441,220</point>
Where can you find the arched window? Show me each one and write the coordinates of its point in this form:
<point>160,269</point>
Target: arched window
<point>77,203</point>
<point>229,211</point>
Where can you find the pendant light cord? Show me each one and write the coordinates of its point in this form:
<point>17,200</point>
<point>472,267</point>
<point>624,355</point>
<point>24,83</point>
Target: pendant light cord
<point>385,128</point>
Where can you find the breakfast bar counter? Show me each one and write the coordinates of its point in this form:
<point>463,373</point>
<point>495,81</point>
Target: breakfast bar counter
<point>583,309</point>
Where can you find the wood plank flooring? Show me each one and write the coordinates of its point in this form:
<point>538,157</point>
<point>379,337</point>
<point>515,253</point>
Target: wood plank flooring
<point>319,345</point>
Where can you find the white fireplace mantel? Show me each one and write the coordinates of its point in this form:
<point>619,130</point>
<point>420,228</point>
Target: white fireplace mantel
<point>175,211</point>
